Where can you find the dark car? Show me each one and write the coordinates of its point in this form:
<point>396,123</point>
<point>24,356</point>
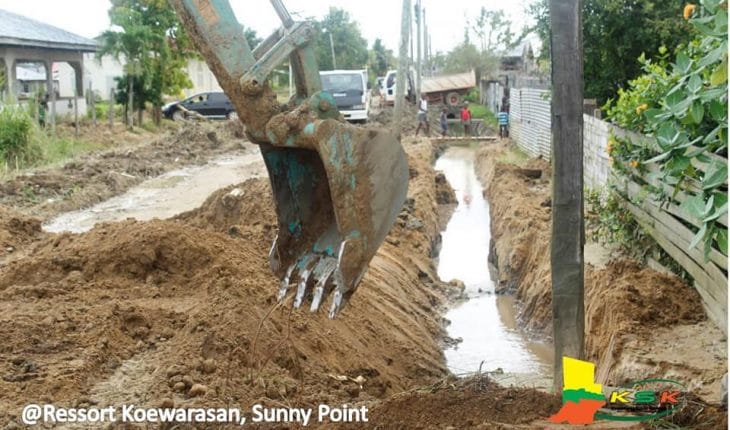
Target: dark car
<point>209,105</point>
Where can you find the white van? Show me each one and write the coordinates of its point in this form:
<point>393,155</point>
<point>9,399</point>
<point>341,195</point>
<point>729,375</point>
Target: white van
<point>350,90</point>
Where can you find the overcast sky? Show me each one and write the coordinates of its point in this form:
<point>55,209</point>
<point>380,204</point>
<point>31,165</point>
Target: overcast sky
<point>377,18</point>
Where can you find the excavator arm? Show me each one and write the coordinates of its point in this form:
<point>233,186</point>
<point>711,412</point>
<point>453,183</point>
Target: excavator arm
<point>337,188</point>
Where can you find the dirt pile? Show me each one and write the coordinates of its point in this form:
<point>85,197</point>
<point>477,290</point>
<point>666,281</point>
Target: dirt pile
<point>97,176</point>
<point>472,403</point>
<point>183,311</point>
<point>16,230</point>
<point>632,313</point>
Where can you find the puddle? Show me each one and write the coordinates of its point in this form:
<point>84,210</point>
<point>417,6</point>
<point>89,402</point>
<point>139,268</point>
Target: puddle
<point>165,196</point>
<point>486,323</point>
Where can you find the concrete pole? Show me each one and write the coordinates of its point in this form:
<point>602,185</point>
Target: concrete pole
<point>568,236</point>
<point>332,47</point>
<point>11,77</point>
<point>419,26</point>
<point>401,77</point>
<point>426,42</point>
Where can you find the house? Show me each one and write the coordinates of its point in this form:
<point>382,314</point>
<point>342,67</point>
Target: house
<point>32,52</point>
<point>517,68</point>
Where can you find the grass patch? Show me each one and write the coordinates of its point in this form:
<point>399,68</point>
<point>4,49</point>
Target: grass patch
<point>56,149</point>
<point>514,156</point>
<point>483,113</point>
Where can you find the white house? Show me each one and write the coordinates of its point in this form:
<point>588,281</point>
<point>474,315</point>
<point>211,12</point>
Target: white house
<point>101,74</point>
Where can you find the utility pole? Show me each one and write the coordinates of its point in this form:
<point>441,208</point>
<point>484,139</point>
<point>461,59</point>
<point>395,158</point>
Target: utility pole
<point>418,50</point>
<point>425,40</point>
<point>332,47</point>
<point>401,77</point>
<point>568,236</point>
<point>410,38</point>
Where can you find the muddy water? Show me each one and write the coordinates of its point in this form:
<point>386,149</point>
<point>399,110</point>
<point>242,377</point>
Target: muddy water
<point>165,196</point>
<point>486,322</point>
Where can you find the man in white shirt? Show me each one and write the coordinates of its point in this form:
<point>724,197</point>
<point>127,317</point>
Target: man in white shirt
<point>423,116</point>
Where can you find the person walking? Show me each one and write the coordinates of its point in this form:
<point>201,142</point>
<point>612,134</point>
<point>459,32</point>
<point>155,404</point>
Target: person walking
<point>466,119</point>
<point>423,116</point>
<point>503,119</point>
<point>444,122</point>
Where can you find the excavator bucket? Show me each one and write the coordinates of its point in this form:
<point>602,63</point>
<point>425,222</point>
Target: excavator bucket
<point>335,206</point>
<point>337,188</point>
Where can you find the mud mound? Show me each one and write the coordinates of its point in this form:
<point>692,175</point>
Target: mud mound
<point>94,177</point>
<point>140,312</point>
<point>234,208</point>
<point>16,230</point>
<point>626,304</point>
<point>473,403</point>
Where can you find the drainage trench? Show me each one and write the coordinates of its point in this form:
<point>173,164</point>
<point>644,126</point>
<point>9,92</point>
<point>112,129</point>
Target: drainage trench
<point>486,322</point>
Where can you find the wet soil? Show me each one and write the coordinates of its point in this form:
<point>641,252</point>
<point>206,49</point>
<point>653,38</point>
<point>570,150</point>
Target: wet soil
<point>639,323</point>
<point>126,311</point>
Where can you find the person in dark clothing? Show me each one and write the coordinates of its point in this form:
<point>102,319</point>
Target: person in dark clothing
<point>444,122</point>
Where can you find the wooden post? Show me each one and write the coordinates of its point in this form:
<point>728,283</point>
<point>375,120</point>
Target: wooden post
<point>566,258</point>
<point>111,108</point>
<point>401,77</point>
<point>92,103</point>
<point>53,106</point>
<point>418,50</point>
<point>76,113</point>
<point>130,102</point>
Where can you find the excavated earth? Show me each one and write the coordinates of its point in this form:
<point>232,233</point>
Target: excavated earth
<point>182,312</point>
<point>639,323</point>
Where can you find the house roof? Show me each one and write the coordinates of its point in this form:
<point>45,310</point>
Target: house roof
<point>17,30</point>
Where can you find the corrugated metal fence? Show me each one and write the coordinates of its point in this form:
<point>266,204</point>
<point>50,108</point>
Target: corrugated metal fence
<point>530,120</point>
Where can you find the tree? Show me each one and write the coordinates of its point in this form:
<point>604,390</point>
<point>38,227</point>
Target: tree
<point>615,33</point>
<point>155,48</point>
<point>494,31</point>
<point>349,45</point>
<point>380,59</point>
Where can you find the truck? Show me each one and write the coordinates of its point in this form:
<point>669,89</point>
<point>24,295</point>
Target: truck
<point>350,90</point>
<point>389,87</point>
<point>448,90</point>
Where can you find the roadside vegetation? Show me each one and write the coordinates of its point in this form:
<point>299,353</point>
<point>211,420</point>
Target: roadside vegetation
<point>25,144</point>
<point>683,105</point>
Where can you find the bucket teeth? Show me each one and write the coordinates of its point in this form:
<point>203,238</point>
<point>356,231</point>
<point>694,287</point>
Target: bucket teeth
<point>323,271</point>
<point>284,286</point>
<point>304,283</point>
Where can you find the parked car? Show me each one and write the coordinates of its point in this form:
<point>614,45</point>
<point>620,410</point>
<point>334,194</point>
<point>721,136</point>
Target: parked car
<point>210,105</point>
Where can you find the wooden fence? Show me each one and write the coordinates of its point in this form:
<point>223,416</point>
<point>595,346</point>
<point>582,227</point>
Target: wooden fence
<point>673,228</point>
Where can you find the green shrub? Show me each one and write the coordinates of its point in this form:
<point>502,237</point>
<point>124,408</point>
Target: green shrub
<point>102,111</point>
<point>472,96</point>
<point>16,137</point>
<point>684,106</point>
